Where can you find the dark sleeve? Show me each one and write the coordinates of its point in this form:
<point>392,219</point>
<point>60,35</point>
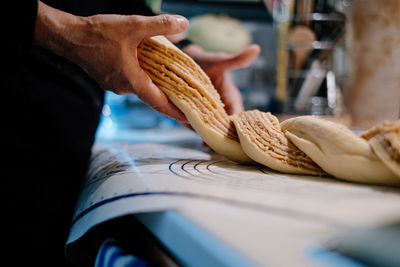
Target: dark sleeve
<point>123,7</point>
<point>19,21</point>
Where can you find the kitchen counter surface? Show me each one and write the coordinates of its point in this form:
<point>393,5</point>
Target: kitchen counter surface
<point>208,211</point>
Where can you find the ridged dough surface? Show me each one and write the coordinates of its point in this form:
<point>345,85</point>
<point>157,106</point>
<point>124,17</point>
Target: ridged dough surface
<point>262,139</point>
<point>191,90</point>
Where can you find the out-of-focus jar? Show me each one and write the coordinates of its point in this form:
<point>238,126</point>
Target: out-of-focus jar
<point>373,53</point>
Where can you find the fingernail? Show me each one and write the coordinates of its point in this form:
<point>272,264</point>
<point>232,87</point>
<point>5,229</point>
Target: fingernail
<point>180,18</point>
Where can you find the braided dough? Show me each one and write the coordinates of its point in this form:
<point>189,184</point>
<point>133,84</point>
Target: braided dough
<point>338,151</point>
<point>302,145</point>
<point>385,141</point>
<point>191,90</point>
<point>262,139</point>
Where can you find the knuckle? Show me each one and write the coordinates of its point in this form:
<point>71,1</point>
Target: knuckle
<point>166,21</point>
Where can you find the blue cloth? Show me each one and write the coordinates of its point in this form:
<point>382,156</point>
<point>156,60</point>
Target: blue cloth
<point>110,254</point>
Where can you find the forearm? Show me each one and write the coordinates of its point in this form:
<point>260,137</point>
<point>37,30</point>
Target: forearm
<point>56,30</point>
<point>105,47</point>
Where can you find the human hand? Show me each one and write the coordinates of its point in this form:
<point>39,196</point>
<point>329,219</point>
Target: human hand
<point>105,46</point>
<point>217,66</point>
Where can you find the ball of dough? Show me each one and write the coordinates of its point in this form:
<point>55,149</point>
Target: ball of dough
<point>219,33</point>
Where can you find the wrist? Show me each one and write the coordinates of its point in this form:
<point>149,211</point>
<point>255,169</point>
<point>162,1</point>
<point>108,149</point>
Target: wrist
<point>56,30</point>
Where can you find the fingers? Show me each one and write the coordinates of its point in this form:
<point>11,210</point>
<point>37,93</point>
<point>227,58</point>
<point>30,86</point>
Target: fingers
<point>241,60</point>
<point>231,96</point>
<point>149,93</point>
<point>164,25</point>
<point>144,87</point>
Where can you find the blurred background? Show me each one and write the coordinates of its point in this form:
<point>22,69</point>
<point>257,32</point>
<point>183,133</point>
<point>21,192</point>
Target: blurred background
<point>300,69</point>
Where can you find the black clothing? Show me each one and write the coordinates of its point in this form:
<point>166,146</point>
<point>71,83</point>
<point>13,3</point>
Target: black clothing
<point>92,7</point>
<point>51,110</point>
<point>55,112</point>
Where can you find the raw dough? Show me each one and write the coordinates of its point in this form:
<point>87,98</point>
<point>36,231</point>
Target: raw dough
<point>191,90</point>
<point>338,151</point>
<point>385,141</point>
<point>261,138</point>
<point>219,33</point>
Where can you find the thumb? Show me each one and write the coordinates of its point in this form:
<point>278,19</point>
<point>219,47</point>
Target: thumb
<point>164,25</point>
